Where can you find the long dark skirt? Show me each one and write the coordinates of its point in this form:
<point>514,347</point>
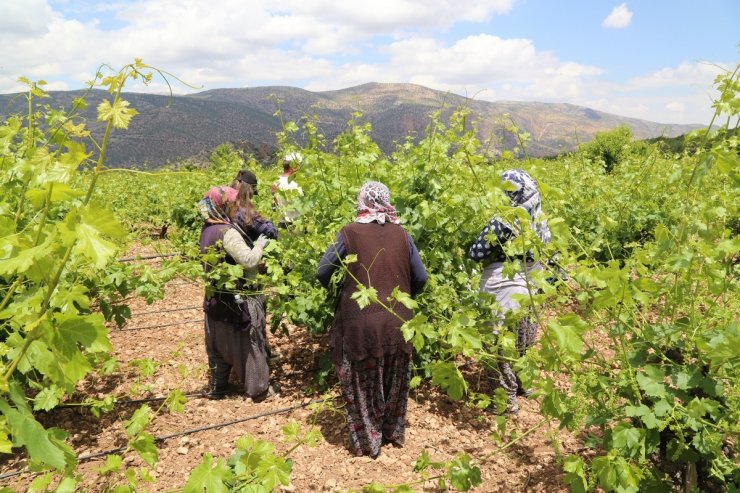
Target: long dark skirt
<point>242,348</point>
<point>375,392</point>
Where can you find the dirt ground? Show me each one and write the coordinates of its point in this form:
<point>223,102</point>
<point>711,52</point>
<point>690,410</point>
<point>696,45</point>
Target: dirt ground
<point>434,423</point>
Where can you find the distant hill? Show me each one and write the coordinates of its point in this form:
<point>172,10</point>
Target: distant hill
<point>168,130</point>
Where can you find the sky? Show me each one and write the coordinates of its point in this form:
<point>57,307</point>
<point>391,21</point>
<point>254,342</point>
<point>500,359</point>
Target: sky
<point>649,59</point>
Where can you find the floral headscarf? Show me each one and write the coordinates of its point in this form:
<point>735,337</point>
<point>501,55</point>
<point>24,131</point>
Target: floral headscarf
<point>213,208</point>
<point>527,196</point>
<point>374,204</point>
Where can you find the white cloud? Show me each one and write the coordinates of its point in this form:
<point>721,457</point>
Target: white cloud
<point>325,45</point>
<point>26,18</point>
<point>619,18</point>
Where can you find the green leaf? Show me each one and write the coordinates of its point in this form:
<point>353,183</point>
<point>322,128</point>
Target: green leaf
<point>28,432</point>
<point>69,298</point>
<point>365,295</point>
<point>40,484</point>
<point>60,193</point>
<point>403,488</point>
<point>462,474</point>
<point>419,331</point>
<point>447,376</point>
<point>628,440</point>
<point>94,224</point>
<point>291,431</point>
<point>22,259</point>
<point>113,464</point>
<point>404,298</point>
<point>209,478</point>
<point>462,337</point>
<point>574,474</point>
<point>175,401</point>
<point>73,330</point>
<point>138,421</point>
<point>66,485</point>
<point>651,381</point>
<point>47,398</point>
<point>119,112</point>
<point>424,461</point>
<point>273,471</point>
<point>700,406</point>
<point>145,447</point>
<point>568,331</point>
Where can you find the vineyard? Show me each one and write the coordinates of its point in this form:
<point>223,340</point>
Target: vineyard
<point>635,375</point>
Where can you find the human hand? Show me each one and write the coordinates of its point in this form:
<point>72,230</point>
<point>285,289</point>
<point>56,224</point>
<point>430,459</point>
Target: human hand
<point>262,241</point>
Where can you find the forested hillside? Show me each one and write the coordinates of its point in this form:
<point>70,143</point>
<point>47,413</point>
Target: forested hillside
<point>170,129</point>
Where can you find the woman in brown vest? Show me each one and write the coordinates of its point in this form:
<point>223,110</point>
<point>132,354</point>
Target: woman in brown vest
<point>372,359</point>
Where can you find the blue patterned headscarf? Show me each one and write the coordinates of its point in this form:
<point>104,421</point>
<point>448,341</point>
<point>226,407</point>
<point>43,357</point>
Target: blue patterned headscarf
<point>527,196</point>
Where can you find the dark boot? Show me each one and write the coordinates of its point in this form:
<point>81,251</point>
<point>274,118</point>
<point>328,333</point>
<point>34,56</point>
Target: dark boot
<point>217,385</point>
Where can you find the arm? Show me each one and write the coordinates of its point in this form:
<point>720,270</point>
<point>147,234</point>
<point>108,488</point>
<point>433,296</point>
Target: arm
<point>419,274</point>
<point>482,249</point>
<point>263,226</point>
<point>235,246</point>
<point>330,261</point>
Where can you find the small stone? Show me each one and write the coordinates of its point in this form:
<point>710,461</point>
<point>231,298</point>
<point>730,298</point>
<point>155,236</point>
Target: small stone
<point>182,450</point>
<point>184,440</point>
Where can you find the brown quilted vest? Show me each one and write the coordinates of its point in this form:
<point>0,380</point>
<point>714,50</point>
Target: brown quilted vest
<point>382,262</point>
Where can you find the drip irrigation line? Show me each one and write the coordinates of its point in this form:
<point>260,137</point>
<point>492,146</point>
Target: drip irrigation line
<point>147,257</point>
<point>183,283</point>
<point>123,402</point>
<point>163,438</point>
<point>161,325</point>
<point>136,314</point>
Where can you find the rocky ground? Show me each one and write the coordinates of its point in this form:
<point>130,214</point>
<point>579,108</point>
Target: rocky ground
<point>436,424</point>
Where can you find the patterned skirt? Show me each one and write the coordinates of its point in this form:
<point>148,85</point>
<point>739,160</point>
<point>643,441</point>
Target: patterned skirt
<point>375,393</point>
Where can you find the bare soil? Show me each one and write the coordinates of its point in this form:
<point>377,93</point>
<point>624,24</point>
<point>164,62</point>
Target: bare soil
<point>434,422</point>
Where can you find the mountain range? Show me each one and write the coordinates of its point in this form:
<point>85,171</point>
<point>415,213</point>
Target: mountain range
<point>168,130</point>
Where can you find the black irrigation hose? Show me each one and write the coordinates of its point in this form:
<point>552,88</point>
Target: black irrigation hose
<point>123,402</point>
<point>183,283</point>
<point>136,314</point>
<point>161,325</point>
<point>148,257</point>
<point>162,438</point>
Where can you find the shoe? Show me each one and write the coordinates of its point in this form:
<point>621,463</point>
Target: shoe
<point>275,357</point>
<point>512,408</point>
<point>216,393</point>
<point>272,391</point>
<point>217,387</point>
<point>524,392</point>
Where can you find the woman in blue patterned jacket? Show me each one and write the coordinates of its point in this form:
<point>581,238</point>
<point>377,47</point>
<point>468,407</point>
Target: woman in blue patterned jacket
<point>526,195</point>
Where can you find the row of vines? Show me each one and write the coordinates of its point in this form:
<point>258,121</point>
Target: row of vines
<point>645,331</point>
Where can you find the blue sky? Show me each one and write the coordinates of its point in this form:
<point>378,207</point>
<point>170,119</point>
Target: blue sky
<point>650,59</point>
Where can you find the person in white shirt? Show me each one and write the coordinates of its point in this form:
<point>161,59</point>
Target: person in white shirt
<point>285,189</point>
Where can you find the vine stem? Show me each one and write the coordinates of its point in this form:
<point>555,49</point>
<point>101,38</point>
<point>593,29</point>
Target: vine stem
<point>536,427</point>
<point>33,334</point>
